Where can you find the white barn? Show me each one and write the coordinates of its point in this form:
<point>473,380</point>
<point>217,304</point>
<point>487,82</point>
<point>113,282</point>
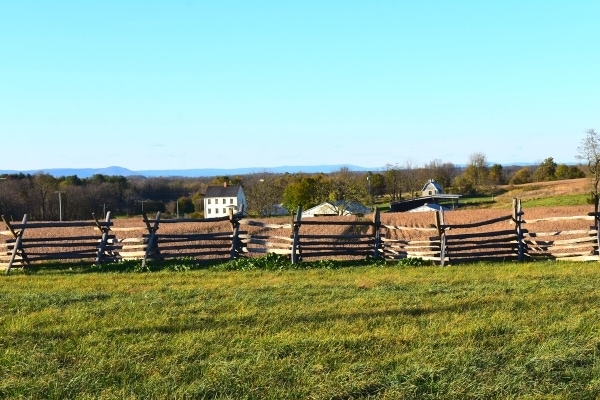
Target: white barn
<point>431,188</point>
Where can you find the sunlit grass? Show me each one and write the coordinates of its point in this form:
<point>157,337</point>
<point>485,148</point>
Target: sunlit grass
<point>480,331</point>
<point>563,200</point>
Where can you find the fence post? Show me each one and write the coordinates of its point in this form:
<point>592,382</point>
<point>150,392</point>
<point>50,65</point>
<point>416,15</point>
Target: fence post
<point>439,223</point>
<point>151,245</point>
<point>518,220</point>
<point>18,246</point>
<point>296,239</point>
<point>235,237</point>
<point>377,233</point>
<point>104,229</point>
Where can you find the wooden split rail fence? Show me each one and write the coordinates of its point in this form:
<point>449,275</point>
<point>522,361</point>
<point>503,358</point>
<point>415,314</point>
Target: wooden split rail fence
<point>21,250</point>
<point>503,238</point>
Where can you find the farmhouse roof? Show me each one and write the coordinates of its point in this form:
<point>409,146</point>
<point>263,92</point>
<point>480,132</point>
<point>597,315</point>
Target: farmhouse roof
<point>222,191</point>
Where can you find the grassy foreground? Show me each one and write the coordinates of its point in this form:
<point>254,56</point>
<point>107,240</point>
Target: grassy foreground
<point>480,331</point>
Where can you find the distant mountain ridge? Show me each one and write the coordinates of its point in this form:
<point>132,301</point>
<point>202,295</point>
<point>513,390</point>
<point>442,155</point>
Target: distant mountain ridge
<point>187,173</point>
<point>210,172</point>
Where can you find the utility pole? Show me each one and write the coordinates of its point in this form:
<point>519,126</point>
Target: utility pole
<point>370,191</point>
<point>60,204</point>
<point>142,201</point>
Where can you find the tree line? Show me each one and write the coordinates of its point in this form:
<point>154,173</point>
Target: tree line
<point>45,197</point>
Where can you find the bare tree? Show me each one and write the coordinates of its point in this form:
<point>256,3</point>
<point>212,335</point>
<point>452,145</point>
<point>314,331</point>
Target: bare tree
<point>345,186</point>
<point>393,181</point>
<point>412,183</point>
<point>441,172</point>
<point>589,152</point>
<point>263,192</point>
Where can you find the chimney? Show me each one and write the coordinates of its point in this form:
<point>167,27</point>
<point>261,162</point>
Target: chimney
<point>225,184</point>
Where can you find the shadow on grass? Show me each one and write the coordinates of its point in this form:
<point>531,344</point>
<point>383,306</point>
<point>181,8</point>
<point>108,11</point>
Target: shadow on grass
<point>271,262</point>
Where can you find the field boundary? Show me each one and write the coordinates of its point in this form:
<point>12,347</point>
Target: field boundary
<point>506,238</point>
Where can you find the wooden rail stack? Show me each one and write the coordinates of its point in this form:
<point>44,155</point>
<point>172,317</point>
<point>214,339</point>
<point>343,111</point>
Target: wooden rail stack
<point>573,245</point>
<point>21,250</point>
<point>223,245</point>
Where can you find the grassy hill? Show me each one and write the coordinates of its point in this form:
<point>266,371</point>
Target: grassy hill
<point>569,192</point>
<point>563,192</point>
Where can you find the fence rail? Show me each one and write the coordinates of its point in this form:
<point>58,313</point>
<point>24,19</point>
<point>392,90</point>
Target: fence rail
<point>502,238</point>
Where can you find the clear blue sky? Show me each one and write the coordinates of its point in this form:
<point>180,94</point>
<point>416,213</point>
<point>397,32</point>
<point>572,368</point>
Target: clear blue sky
<point>226,84</point>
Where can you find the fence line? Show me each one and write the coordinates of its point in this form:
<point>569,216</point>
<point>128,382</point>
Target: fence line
<point>79,247</point>
<point>574,245</point>
<point>302,239</point>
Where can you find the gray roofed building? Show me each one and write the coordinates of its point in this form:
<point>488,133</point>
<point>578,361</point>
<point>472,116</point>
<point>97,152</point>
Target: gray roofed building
<point>431,188</point>
<point>339,207</point>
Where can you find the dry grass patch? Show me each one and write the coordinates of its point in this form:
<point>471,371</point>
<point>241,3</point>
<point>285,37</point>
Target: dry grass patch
<point>539,190</point>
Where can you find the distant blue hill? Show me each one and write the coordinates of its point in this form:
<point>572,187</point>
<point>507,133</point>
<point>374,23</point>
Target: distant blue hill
<point>210,172</point>
<point>188,173</point>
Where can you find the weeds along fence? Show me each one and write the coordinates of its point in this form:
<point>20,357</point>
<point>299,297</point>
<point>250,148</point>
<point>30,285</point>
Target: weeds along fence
<point>509,237</point>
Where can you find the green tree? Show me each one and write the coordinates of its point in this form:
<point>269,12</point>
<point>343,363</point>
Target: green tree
<point>463,185</point>
<point>546,171</point>
<point>304,192</point>
<point>521,176</point>
<point>186,205</point>
<point>475,176</point>
<point>377,183</point>
<point>496,175</point>
<point>564,171</point>
<point>220,180</point>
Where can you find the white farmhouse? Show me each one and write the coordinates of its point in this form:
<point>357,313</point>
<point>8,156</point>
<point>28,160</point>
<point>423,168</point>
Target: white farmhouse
<point>219,199</point>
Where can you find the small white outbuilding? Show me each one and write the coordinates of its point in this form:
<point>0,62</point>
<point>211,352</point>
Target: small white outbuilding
<point>337,208</point>
<point>432,188</point>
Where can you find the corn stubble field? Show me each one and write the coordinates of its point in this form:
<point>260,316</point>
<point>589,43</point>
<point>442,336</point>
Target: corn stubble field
<point>485,330</point>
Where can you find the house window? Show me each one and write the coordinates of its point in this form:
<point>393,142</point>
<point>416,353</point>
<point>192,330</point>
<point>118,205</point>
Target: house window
<point>208,211</point>
<point>224,211</point>
<point>231,201</point>
<point>430,192</point>
<point>208,201</point>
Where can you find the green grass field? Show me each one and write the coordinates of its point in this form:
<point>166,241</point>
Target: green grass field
<point>564,200</point>
<point>479,331</point>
